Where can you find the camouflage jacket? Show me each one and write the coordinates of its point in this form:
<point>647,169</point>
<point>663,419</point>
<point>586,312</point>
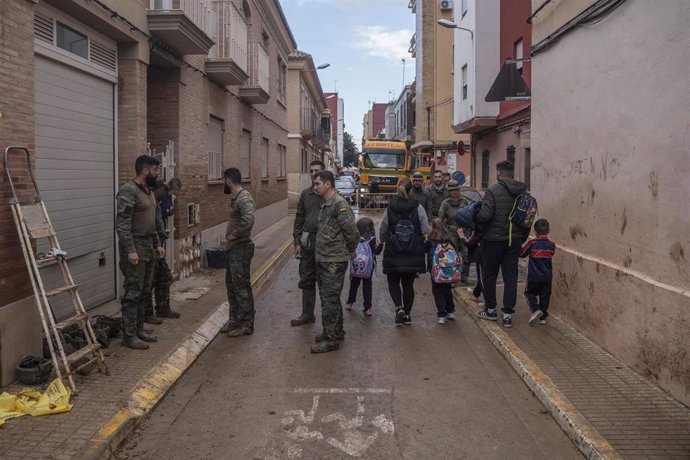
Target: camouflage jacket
<point>307,217</point>
<point>136,215</point>
<point>447,213</point>
<point>337,236</point>
<point>241,219</point>
<point>436,197</point>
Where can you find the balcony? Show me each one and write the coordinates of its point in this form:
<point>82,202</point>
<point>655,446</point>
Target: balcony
<point>227,61</point>
<point>256,91</point>
<point>413,46</point>
<point>308,125</point>
<point>322,139</point>
<point>184,25</point>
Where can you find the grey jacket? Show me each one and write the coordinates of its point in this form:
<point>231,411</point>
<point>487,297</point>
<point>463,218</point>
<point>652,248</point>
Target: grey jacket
<point>496,206</point>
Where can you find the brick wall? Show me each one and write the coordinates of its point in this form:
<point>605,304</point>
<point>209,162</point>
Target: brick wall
<point>16,128</point>
<point>131,107</point>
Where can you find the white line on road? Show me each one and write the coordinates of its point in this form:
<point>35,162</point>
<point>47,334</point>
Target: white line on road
<point>342,390</point>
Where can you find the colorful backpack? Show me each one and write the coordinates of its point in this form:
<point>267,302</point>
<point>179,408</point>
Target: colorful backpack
<point>523,213</point>
<point>362,266</point>
<point>446,264</point>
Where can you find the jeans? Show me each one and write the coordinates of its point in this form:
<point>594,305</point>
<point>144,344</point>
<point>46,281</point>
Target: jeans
<point>499,255</point>
<point>406,297</point>
<point>366,291</point>
<point>443,297</point>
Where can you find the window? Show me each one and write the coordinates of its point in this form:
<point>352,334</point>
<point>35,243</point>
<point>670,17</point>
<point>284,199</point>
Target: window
<point>463,7</point>
<point>246,154</point>
<point>510,154</point>
<point>485,169</point>
<point>518,53</point>
<point>264,160</point>
<point>281,80</point>
<point>282,160</point>
<point>303,160</point>
<point>464,82</point>
<point>72,41</point>
<point>215,149</point>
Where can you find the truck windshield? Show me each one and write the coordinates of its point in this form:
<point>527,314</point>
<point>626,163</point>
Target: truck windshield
<point>383,158</point>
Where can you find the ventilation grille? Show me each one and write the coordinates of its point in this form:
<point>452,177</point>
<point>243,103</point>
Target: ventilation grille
<point>103,56</point>
<point>43,27</point>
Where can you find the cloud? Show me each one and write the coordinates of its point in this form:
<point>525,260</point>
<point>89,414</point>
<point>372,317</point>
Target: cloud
<point>382,42</point>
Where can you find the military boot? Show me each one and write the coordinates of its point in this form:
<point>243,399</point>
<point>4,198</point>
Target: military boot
<point>308,302</point>
<point>167,313</point>
<point>152,319</point>
<point>319,337</point>
<point>133,342</point>
<point>240,331</point>
<point>146,336</point>
<point>325,347</point>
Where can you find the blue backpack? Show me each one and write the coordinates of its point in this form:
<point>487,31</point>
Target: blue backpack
<point>402,238</point>
<point>465,216</point>
<point>522,215</point>
<point>362,266</point>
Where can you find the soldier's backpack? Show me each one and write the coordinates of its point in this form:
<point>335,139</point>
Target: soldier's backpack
<point>362,266</point>
<point>522,215</point>
<point>402,238</point>
<point>446,264</point>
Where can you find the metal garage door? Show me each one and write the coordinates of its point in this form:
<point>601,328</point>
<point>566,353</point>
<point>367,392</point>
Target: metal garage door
<point>75,170</point>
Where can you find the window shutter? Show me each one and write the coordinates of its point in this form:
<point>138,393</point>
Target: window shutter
<point>101,55</point>
<point>44,27</point>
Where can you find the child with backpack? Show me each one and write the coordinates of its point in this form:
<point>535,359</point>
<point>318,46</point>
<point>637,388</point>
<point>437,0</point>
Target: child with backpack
<point>539,272</point>
<point>445,266</point>
<point>363,264</point>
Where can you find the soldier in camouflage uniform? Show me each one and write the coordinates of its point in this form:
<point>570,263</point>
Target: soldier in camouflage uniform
<point>304,234</point>
<point>437,193</point>
<point>135,224</point>
<point>336,240</point>
<point>239,251</point>
<point>162,277</point>
<point>446,213</point>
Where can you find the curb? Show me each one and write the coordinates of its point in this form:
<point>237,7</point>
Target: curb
<point>575,425</point>
<point>149,391</point>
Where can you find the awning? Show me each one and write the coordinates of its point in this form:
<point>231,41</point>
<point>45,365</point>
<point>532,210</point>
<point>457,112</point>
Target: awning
<point>422,145</point>
<point>508,85</point>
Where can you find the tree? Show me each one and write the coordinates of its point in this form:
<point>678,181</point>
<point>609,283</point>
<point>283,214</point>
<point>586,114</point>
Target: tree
<point>351,152</point>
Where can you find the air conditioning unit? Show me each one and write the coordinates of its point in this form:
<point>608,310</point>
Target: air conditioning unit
<point>446,5</point>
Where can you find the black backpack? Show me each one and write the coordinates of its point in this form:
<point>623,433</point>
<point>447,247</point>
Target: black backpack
<point>403,238</point>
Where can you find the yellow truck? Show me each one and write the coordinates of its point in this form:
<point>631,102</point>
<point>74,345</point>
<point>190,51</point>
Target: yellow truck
<point>385,162</point>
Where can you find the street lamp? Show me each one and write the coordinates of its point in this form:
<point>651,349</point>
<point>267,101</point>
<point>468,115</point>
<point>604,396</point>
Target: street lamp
<point>323,66</point>
<point>448,24</point>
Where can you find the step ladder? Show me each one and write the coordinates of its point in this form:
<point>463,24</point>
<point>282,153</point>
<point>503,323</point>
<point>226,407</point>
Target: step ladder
<point>33,224</point>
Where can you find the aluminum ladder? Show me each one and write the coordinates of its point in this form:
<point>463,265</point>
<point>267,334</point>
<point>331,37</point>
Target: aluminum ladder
<point>33,223</point>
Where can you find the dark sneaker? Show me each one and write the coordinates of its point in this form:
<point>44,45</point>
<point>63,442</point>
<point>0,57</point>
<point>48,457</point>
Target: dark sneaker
<point>324,347</point>
<point>135,343</point>
<point>227,327</point>
<point>152,319</point>
<point>407,320</point>
<point>490,315</point>
<point>303,319</point>
<point>543,322</point>
<point>507,322</point>
<point>464,279</point>
<point>319,337</point>
<point>399,316</point>
<point>536,314</point>
<point>240,331</point>
<point>167,314</point>
<point>147,336</point>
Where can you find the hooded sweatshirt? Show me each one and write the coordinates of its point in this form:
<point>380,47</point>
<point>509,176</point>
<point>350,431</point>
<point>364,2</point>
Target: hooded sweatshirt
<point>496,206</point>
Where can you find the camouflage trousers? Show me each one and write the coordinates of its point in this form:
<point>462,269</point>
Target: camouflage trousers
<point>162,280</point>
<point>239,285</point>
<point>138,282</point>
<point>330,277</point>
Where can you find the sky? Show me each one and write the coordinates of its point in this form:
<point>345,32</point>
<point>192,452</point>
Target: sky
<point>364,41</point>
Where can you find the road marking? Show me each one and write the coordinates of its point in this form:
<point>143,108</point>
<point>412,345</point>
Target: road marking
<point>378,391</point>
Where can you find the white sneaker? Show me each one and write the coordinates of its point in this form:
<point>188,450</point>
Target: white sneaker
<point>536,314</point>
<point>441,320</point>
<point>348,306</point>
<point>543,321</point>
<point>450,316</point>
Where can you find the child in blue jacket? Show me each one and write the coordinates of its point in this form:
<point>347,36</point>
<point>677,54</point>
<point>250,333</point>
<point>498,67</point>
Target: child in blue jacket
<point>540,271</point>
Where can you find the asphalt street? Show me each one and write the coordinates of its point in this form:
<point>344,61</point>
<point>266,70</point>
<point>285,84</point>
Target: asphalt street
<point>420,392</point>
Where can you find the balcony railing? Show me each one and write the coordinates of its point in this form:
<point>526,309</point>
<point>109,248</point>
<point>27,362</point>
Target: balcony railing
<point>230,34</point>
<point>308,123</point>
<point>258,66</point>
<point>200,12</point>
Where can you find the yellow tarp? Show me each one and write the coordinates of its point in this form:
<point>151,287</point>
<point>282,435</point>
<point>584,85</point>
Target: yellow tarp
<point>55,400</point>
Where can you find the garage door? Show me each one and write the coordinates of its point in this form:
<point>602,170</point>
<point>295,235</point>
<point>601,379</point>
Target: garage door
<point>75,172</point>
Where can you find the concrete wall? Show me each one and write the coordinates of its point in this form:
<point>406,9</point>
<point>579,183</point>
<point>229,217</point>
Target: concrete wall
<point>481,56</point>
<point>610,165</point>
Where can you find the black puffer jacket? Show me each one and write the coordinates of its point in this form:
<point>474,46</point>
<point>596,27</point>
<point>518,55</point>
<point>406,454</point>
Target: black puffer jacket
<point>496,206</point>
<point>394,262</point>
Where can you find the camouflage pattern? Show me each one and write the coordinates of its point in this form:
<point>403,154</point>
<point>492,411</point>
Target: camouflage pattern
<point>162,280</point>
<point>330,276</point>
<point>239,285</point>
<point>137,284</point>
<point>447,212</point>
<point>136,214</point>
<point>307,264</point>
<point>337,236</point>
<point>240,219</point>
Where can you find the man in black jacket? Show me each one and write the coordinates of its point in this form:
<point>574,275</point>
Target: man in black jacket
<point>501,249</point>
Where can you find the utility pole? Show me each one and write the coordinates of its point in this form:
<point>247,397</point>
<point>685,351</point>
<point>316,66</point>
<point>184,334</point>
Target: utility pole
<point>403,63</point>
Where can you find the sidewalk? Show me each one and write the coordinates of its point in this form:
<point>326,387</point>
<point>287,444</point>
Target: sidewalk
<point>108,407</point>
<point>605,407</point>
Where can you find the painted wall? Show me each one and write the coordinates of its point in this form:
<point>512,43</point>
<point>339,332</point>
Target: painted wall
<point>610,160</point>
